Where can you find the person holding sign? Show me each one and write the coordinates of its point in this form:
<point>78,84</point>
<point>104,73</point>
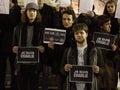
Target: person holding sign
<point>82,53</point>
<point>109,80</point>
<point>29,34</point>
<point>109,10</point>
<point>55,51</point>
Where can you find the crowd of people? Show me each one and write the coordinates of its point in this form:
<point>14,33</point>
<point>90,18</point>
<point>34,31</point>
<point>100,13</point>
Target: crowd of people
<point>25,28</point>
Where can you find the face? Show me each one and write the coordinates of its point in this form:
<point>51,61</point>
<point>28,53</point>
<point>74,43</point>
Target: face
<point>106,26</point>
<point>31,13</point>
<point>111,8</point>
<point>40,3</point>
<point>80,36</point>
<point>67,20</point>
<point>11,4</point>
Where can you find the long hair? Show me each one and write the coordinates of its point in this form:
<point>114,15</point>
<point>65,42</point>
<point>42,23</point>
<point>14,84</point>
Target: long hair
<point>25,19</point>
<point>105,9</point>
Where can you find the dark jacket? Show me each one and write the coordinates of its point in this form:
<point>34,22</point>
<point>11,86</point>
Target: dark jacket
<point>50,17</point>
<point>20,39</point>
<point>90,56</point>
<point>20,35</point>
<point>7,24</point>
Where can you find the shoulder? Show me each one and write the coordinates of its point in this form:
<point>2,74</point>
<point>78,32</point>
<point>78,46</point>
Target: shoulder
<point>47,6</point>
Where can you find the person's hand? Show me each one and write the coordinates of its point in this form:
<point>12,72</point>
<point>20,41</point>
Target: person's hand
<point>51,45</point>
<point>67,67</point>
<point>15,49</point>
<point>84,14</point>
<point>57,7</point>
<point>41,48</point>
<point>114,47</point>
<point>96,69</point>
<point>90,13</point>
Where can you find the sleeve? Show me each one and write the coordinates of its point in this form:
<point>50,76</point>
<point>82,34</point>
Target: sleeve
<point>100,62</point>
<point>64,61</point>
<point>15,40</point>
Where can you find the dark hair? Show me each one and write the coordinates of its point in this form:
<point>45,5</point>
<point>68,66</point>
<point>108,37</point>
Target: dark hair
<point>105,9</point>
<point>102,19</point>
<point>25,19</point>
<point>15,1</point>
<point>70,12</point>
<point>80,26</point>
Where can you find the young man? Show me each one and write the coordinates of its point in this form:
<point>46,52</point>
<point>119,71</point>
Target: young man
<point>29,34</point>
<point>80,53</point>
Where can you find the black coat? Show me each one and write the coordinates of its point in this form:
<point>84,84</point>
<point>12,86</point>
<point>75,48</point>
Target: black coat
<point>88,59</point>
<point>7,24</point>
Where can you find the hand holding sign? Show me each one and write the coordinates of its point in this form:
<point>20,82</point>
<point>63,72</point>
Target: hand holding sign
<point>67,67</point>
<point>41,48</point>
<point>15,49</point>
<point>96,69</point>
<point>114,47</point>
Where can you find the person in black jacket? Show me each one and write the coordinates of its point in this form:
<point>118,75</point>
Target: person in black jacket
<point>55,51</point>
<point>7,24</point>
<point>81,53</point>
<point>29,34</point>
<point>109,10</point>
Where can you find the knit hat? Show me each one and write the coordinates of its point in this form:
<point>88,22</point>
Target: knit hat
<point>32,6</point>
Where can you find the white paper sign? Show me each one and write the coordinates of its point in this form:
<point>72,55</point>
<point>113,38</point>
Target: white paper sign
<point>64,3</point>
<point>117,14</point>
<point>28,1</point>
<point>118,84</point>
<point>85,6</point>
<point>4,6</point>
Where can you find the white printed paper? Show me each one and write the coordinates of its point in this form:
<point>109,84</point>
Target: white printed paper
<point>117,14</point>
<point>64,3</point>
<point>85,6</point>
<point>4,6</point>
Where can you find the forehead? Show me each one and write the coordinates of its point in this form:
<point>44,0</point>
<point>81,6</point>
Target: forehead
<point>108,22</point>
<point>31,9</point>
<point>66,15</point>
<point>110,4</point>
<point>80,31</point>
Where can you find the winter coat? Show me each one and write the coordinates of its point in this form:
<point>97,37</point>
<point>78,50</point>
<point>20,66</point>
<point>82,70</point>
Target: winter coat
<point>91,57</point>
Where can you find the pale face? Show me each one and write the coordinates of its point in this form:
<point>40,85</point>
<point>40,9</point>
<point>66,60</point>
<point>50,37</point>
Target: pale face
<point>111,8</point>
<point>106,26</point>
<point>80,36</point>
<point>67,20</point>
<point>31,13</point>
